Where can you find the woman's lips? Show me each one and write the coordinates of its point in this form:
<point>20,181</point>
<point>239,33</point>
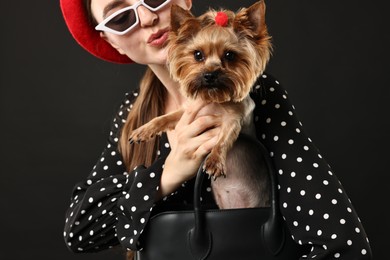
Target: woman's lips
<point>158,39</point>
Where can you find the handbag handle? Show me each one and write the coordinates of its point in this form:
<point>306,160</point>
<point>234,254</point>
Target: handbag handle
<point>273,231</point>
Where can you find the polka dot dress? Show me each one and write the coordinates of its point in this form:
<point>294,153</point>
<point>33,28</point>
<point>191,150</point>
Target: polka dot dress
<point>113,207</point>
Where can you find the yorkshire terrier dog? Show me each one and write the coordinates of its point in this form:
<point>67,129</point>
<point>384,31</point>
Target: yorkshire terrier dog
<point>216,57</point>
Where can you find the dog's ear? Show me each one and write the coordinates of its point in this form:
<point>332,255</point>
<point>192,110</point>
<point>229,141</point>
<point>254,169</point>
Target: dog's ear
<point>184,24</point>
<point>178,16</point>
<point>251,20</point>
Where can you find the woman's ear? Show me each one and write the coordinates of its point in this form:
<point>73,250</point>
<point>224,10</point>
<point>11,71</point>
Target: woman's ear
<point>189,4</point>
<point>104,37</point>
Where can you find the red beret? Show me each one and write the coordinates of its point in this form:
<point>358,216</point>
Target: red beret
<point>76,19</point>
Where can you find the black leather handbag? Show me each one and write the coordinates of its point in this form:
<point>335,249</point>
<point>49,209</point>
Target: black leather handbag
<point>198,234</point>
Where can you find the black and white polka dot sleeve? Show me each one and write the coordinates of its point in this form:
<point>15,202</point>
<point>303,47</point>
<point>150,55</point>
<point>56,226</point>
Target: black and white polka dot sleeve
<point>91,220</point>
<point>313,202</point>
<point>137,203</point>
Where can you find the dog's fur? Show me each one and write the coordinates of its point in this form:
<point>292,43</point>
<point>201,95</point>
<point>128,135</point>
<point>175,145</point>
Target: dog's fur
<point>247,184</point>
<point>217,64</point>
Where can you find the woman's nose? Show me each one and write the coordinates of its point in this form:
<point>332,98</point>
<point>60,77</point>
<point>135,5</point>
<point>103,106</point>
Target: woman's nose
<point>146,17</point>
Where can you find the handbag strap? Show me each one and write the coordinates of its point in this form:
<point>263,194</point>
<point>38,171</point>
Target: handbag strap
<point>273,230</point>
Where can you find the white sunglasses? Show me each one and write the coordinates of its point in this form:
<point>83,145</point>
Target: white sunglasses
<point>125,19</point>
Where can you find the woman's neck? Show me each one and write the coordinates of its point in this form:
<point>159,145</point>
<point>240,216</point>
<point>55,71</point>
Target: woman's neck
<point>175,99</point>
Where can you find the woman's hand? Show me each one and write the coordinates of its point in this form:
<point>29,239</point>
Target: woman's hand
<point>192,139</point>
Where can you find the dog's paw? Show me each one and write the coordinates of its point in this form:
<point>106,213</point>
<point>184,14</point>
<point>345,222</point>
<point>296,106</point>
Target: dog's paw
<point>142,134</point>
<point>214,165</point>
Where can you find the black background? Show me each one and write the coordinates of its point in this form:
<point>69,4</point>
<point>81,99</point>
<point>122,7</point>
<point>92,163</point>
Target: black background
<point>57,101</point>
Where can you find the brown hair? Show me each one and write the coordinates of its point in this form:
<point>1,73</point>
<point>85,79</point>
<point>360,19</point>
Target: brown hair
<point>149,104</point>
<point>91,19</point>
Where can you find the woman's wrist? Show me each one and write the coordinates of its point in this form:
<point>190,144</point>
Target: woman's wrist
<point>170,179</point>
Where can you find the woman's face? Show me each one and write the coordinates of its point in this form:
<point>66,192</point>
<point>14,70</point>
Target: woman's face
<point>145,44</point>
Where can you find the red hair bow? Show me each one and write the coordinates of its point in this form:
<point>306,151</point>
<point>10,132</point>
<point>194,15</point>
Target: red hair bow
<point>221,19</point>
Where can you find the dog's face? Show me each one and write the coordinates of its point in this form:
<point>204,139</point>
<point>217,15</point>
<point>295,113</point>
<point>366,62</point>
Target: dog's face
<point>218,63</point>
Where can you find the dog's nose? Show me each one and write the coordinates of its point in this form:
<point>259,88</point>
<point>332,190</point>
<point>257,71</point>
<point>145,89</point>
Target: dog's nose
<point>210,77</point>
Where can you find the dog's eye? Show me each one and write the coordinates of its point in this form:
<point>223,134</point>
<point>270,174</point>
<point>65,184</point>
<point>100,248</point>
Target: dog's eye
<point>198,55</point>
<point>229,56</point>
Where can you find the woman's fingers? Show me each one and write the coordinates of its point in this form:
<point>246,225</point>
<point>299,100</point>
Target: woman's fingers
<point>190,112</point>
<point>206,142</point>
<point>203,143</point>
<point>201,124</point>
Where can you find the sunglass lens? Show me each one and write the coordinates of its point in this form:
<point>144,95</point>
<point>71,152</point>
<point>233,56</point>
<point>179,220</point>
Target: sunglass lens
<point>122,21</point>
<point>155,3</point>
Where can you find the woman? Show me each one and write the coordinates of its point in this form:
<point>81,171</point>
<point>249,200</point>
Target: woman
<point>113,205</point>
